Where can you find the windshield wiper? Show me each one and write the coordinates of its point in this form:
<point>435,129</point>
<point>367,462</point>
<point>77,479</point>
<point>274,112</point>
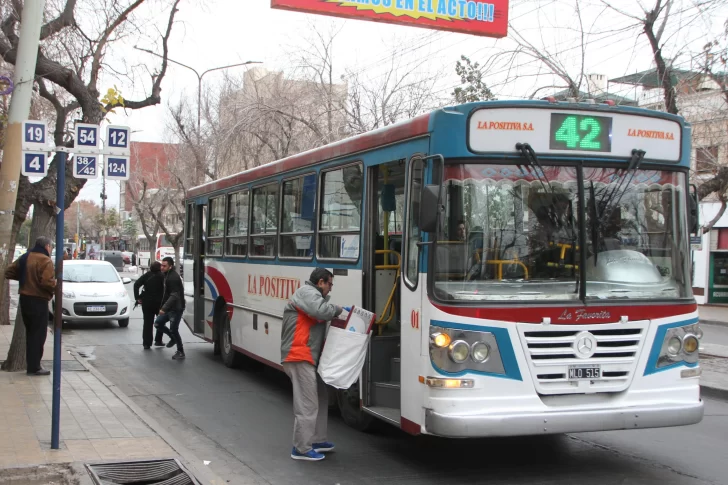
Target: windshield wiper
<point>634,164</point>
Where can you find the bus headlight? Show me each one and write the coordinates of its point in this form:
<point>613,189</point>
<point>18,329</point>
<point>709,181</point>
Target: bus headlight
<point>480,352</point>
<point>454,351</point>
<point>459,351</point>
<point>674,345</point>
<point>680,345</point>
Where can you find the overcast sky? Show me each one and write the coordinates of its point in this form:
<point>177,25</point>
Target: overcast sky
<point>215,33</point>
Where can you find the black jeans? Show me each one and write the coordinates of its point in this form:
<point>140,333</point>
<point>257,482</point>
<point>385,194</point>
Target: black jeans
<point>35,317</point>
<point>148,330</point>
<point>173,317</point>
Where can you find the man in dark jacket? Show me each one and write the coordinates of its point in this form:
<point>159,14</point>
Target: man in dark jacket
<point>173,303</point>
<point>151,301</point>
<point>36,274</point>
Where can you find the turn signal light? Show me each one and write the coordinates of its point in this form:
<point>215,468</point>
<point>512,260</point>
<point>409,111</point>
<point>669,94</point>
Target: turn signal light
<point>690,344</point>
<point>449,383</point>
<point>440,339</point>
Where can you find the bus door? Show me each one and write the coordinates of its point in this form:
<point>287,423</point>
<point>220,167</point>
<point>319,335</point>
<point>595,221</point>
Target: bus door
<point>198,266</point>
<point>385,209</point>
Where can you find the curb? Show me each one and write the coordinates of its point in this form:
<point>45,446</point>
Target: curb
<point>718,323</point>
<point>203,475</point>
<point>714,392</point>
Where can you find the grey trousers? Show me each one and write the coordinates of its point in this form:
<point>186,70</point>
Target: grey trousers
<point>310,405</point>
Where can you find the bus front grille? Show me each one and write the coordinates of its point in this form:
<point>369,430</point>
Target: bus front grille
<point>552,350</point>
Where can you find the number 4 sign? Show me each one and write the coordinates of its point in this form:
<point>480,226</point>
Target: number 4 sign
<point>35,164</point>
<point>117,168</point>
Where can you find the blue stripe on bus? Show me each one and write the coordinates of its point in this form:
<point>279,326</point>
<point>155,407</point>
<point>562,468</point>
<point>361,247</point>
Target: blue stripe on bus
<point>505,347</point>
<point>651,367</point>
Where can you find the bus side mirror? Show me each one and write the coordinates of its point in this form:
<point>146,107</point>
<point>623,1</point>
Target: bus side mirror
<point>429,208</point>
<point>693,222</point>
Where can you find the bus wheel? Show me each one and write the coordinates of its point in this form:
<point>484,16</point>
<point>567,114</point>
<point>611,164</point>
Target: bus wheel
<point>351,411</point>
<point>217,325</point>
<point>230,356</point>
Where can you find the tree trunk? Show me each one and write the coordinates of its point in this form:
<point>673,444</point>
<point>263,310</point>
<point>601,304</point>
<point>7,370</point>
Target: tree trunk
<point>44,224</point>
<point>15,360</point>
<point>5,292</point>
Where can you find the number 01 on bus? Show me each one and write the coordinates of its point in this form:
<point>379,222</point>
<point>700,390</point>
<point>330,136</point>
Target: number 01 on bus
<point>528,263</point>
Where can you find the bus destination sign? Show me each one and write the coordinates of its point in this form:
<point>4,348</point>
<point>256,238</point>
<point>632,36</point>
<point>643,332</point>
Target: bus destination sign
<point>487,18</point>
<point>574,132</point>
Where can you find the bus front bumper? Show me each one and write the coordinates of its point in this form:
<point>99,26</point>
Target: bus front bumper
<point>571,421</point>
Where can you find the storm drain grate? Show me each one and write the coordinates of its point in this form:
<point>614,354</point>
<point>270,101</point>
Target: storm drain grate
<point>154,472</point>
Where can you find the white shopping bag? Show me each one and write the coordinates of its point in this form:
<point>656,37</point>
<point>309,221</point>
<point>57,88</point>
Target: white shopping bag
<point>343,357</point>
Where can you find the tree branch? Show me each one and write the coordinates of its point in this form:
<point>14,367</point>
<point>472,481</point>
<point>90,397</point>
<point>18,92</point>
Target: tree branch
<point>65,19</point>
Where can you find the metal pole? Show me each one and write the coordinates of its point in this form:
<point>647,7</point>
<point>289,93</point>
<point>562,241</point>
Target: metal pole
<point>58,307</point>
<point>29,36</point>
<point>78,227</point>
<point>103,215</point>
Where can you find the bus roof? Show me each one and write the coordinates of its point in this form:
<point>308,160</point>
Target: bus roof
<point>383,136</point>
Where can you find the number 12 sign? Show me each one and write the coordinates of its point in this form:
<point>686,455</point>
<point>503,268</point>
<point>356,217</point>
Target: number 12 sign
<point>117,140</point>
<point>117,168</point>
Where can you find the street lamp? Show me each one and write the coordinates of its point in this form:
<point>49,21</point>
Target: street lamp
<point>199,77</point>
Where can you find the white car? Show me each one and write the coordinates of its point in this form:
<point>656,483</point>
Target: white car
<point>93,290</point>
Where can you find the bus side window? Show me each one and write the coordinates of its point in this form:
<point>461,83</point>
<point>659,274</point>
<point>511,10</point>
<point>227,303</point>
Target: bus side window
<point>237,224</point>
<point>189,235</point>
<point>340,213</point>
<point>297,217</point>
<point>265,221</point>
<point>216,226</point>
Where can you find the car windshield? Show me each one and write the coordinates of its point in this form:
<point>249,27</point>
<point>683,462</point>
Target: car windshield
<point>513,233</point>
<point>90,273</point>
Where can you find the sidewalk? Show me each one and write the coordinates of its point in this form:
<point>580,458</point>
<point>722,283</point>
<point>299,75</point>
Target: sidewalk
<point>713,314</point>
<point>98,423</point>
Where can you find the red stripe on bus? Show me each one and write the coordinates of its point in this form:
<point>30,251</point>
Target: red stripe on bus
<point>570,315</point>
<point>385,136</point>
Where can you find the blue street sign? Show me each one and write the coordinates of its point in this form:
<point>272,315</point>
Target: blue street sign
<point>35,164</point>
<point>35,135</point>
<point>117,139</point>
<point>86,166</point>
<point>117,168</point>
<point>87,138</point>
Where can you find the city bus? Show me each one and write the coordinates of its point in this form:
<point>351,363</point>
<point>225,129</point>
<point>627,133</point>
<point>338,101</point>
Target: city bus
<point>528,264</point>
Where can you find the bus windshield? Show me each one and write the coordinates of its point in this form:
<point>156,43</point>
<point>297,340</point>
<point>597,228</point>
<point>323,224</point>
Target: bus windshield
<point>512,232</point>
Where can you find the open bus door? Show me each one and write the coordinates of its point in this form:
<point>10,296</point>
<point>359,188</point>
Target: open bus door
<point>194,271</point>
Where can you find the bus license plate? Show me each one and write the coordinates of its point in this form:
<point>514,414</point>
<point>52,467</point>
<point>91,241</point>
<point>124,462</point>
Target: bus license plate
<point>584,372</point>
<point>96,308</point>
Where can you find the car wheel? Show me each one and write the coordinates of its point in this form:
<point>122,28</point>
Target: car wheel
<point>230,356</point>
<point>351,411</point>
<point>124,323</point>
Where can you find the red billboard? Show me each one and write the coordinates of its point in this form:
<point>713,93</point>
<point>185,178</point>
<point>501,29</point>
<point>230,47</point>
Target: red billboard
<point>465,16</point>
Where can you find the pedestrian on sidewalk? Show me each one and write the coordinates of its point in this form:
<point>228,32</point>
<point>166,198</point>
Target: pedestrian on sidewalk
<point>302,337</point>
<point>152,282</point>
<point>35,272</point>
<point>173,303</point>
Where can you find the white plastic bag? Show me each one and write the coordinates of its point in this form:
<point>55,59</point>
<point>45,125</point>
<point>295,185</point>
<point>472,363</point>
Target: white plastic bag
<point>343,357</point>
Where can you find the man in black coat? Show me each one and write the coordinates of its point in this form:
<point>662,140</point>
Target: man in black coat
<point>173,303</point>
<point>151,301</point>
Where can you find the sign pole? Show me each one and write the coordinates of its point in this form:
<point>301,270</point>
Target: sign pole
<point>58,307</point>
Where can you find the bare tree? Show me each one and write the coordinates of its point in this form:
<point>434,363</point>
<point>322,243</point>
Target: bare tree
<point>71,60</point>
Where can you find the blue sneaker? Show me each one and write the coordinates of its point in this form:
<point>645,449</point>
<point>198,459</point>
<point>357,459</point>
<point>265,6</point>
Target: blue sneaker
<point>323,447</point>
<point>311,455</point>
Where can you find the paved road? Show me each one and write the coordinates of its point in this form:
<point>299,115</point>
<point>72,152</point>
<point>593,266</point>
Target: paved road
<point>240,420</point>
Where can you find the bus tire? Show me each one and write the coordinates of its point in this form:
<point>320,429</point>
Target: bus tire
<point>230,357</point>
<point>350,408</point>
<point>217,325</point>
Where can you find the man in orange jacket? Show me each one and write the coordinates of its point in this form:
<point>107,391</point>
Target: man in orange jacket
<point>302,337</point>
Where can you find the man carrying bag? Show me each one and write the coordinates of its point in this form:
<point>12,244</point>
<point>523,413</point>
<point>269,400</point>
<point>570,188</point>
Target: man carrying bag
<point>302,337</point>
